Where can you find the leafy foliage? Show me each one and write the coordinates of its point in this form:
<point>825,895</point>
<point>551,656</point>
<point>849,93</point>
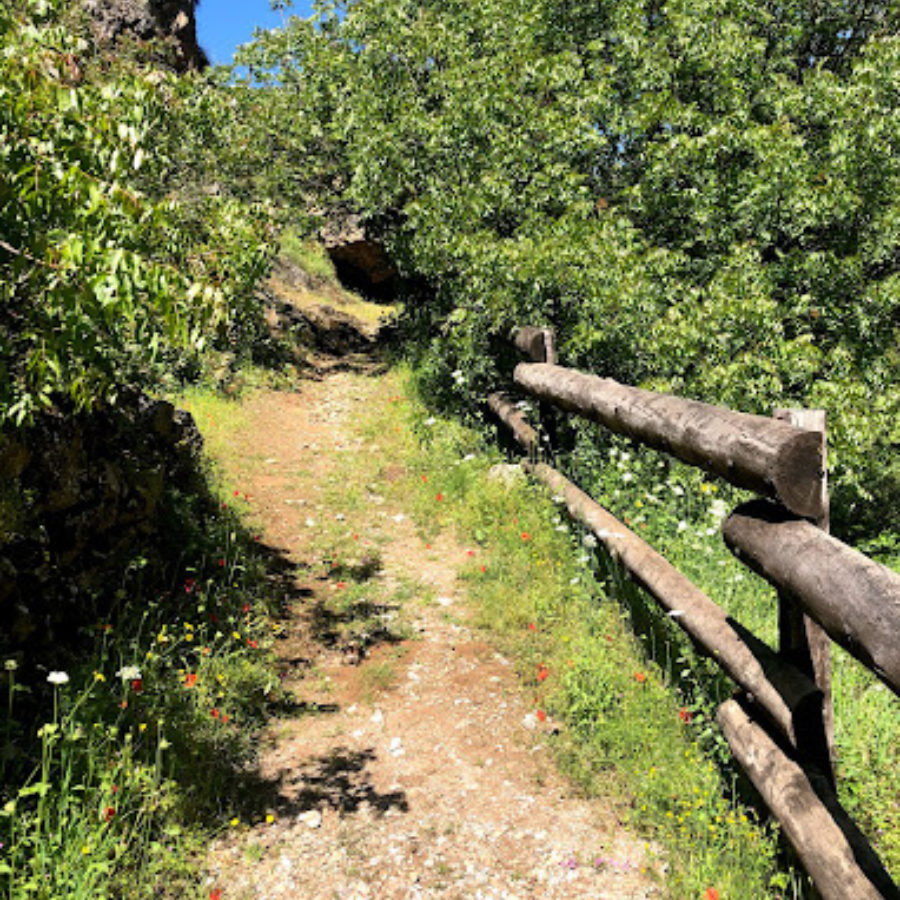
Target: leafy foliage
<point>701,197</point>
<point>111,272</point>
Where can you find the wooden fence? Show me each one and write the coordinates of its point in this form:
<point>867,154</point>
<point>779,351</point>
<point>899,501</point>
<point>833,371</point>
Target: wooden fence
<point>779,725</point>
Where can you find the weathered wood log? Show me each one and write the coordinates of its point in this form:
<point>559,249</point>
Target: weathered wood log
<point>786,695</point>
<point>538,344</point>
<point>802,641</point>
<point>856,600</point>
<point>832,849</point>
<point>754,452</point>
<point>506,410</point>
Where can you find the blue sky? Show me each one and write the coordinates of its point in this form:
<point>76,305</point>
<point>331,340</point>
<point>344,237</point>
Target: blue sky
<point>224,24</point>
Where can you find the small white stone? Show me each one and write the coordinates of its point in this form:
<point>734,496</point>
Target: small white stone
<point>396,747</point>
<point>312,819</point>
<point>310,523</point>
<point>377,717</point>
<point>530,721</point>
<point>340,517</point>
<point>445,601</point>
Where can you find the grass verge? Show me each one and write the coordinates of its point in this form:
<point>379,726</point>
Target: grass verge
<point>115,772</point>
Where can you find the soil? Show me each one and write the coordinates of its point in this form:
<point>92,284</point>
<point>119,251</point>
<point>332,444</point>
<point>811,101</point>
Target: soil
<point>420,768</point>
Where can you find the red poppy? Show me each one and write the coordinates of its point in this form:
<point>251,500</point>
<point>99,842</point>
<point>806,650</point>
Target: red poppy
<point>189,584</point>
<point>470,552</point>
<point>215,895</point>
<point>532,626</point>
<point>237,493</point>
<point>137,685</point>
<point>542,715</point>
<point>424,478</point>
<point>245,608</point>
<point>543,672</point>
<point>439,497</point>
<point>221,562</point>
<point>640,677</point>
<point>115,789</point>
<point>341,585</point>
<point>214,713</point>
<point>711,894</point>
<point>483,569</point>
<point>253,644</point>
<point>206,651</point>
<point>190,679</point>
<point>123,704</point>
<point>685,715</point>
<point>526,536</point>
<point>109,814</point>
<point>225,719</point>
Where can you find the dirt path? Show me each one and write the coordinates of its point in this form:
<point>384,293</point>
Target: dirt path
<point>420,769</point>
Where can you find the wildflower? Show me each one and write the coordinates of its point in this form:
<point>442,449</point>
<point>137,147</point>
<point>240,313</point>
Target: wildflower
<point>252,644</point>
<point>542,716</point>
<point>424,478</point>
<point>189,585</point>
<point>190,679</point>
<point>270,819</point>
<point>470,552</point>
<point>543,672</point>
<point>215,894</point>
<point>129,673</point>
<point>58,678</point>
<point>10,665</point>
<point>214,713</point>
<point>99,676</point>
<point>685,715</point>
<point>439,497</point>
<point>711,894</point>
<point>532,626</point>
<point>483,569</point>
<point>526,536</point>
<point>640,677</point>
<point>236,635</point>
<point>589,541</point>
<point>235,822</point>
<point>221,562</point>
<point>137,685</point>
<point>109,813</point>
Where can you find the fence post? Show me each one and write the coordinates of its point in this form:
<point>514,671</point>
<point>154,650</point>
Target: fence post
<point>802,641</point>
<point>539,346</point>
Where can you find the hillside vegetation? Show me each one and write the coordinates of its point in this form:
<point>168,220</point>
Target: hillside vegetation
<point>701,197</point>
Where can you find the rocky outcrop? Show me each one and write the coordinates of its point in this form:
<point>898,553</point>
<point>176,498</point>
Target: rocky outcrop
<point>145,20</point>
<point>83,496</point>
<point>361,262</point>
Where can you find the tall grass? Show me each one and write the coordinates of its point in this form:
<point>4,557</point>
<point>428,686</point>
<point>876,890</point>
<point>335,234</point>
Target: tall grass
<point>116,769</point>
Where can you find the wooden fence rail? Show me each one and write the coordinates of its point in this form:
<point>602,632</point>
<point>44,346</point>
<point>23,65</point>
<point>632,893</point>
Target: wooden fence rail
<point>778,728</point>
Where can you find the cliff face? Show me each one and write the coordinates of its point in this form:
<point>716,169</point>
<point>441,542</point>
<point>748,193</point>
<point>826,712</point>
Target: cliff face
<point>151,20</point>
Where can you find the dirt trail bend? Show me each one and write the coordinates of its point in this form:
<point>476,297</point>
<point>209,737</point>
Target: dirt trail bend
<point>419,769</point>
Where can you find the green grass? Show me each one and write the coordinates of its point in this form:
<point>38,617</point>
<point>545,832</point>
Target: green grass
<point>116,772</point>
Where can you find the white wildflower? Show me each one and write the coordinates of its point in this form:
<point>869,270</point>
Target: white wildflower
<point>677,490</point>
<point>718,509</point>
<point>627,476</point>
<point>431,421</point>
<point>58,678</point>
<point>589,541</point>
<point>10,665</point>
<point>129,673</point>
<point>683,526</point>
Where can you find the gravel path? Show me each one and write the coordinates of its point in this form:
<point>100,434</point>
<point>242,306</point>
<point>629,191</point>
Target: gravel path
<point>424,772</point>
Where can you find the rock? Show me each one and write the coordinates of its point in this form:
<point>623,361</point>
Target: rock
<point>311,819</point>
<point>146,20</point>
<point>361,262</point>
